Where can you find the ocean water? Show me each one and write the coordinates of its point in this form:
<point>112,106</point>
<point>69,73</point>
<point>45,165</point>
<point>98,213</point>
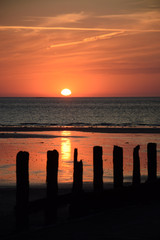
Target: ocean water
<point>80,111</point>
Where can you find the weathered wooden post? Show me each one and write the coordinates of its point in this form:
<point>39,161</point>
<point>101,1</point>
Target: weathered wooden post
<point>97,169</point>
<point>76,207</point>
<point>152,161</point>
<point>136,167</point>
<point>77,174</point>
<point>75,158</point>
<point>52,186</point>
<point>118,166</point>
<point>22,190</point>
<point>74,168</point>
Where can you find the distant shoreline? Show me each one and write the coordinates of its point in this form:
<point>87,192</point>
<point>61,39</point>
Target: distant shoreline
<point>147,130</point>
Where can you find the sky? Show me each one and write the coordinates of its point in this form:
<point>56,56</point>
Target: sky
<point>96,48</point>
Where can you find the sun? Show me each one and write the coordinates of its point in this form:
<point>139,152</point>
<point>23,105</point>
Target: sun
<point>66,92</point>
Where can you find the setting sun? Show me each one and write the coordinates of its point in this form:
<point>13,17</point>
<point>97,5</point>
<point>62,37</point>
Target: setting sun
<point>66,92</point>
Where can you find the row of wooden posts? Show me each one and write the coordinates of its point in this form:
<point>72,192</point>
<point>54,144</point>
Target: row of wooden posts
<point>22,177</point>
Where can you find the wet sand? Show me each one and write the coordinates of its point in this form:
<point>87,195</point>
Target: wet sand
<point>83,129</point>
<point>37,143</point>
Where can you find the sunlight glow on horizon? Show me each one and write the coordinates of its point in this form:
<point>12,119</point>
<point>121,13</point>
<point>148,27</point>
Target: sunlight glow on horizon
<point>105,49</point>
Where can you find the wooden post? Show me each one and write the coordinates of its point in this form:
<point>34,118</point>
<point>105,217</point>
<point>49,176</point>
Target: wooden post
<point>75,157</point>
<point>152,161</point>
<point>52,186</point>
<point>118,166</point>
<point>97,169</point>
<point>136,167</point>
<point>77,174</point>
<point>22,190</point>
<point>76,207</point>
<point>74,168</point>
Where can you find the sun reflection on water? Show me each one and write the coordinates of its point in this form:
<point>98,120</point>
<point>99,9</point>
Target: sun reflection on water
<point>66,164</point>
<point>65,146</point>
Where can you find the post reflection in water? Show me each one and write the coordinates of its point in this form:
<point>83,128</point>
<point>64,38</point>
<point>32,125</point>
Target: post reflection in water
<point>66,165</point>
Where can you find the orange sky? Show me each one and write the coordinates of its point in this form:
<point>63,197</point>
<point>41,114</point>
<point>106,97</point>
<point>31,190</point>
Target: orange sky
<point>95,48</point>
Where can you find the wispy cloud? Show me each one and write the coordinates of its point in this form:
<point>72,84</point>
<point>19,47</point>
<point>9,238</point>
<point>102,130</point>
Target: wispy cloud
<point>61,19</point>
<point>105,33</point>
<point>141,19</point>
<point>77,29</point>
<point>89,39</point>
<point>150,15</point>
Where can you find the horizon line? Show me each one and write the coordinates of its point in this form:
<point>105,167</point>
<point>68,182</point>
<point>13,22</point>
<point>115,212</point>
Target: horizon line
<point>81,97</point>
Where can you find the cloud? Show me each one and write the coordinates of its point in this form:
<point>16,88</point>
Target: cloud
<point>89,39</point>
<point>142,20</point>
<point>61,19</point>
<point>148,4</point>
<point>64,41</point>
<point>76,29</point>
<point>150,15</point>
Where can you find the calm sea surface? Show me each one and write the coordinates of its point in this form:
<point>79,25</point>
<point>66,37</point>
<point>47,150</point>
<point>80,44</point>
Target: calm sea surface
<point>80,111</point>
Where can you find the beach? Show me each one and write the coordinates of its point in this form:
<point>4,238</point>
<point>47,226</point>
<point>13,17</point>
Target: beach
<point>65,140</point>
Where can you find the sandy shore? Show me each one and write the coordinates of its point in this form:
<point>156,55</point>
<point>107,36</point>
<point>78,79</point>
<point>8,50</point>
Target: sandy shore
<point>83,129</point>
<point>23,132</point>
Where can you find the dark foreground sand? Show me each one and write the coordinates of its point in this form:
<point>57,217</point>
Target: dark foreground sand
<point>135,221</point>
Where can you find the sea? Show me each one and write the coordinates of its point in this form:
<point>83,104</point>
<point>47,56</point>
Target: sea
<point>80,111</point>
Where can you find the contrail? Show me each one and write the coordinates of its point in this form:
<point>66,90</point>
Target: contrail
<point>79,29</point>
